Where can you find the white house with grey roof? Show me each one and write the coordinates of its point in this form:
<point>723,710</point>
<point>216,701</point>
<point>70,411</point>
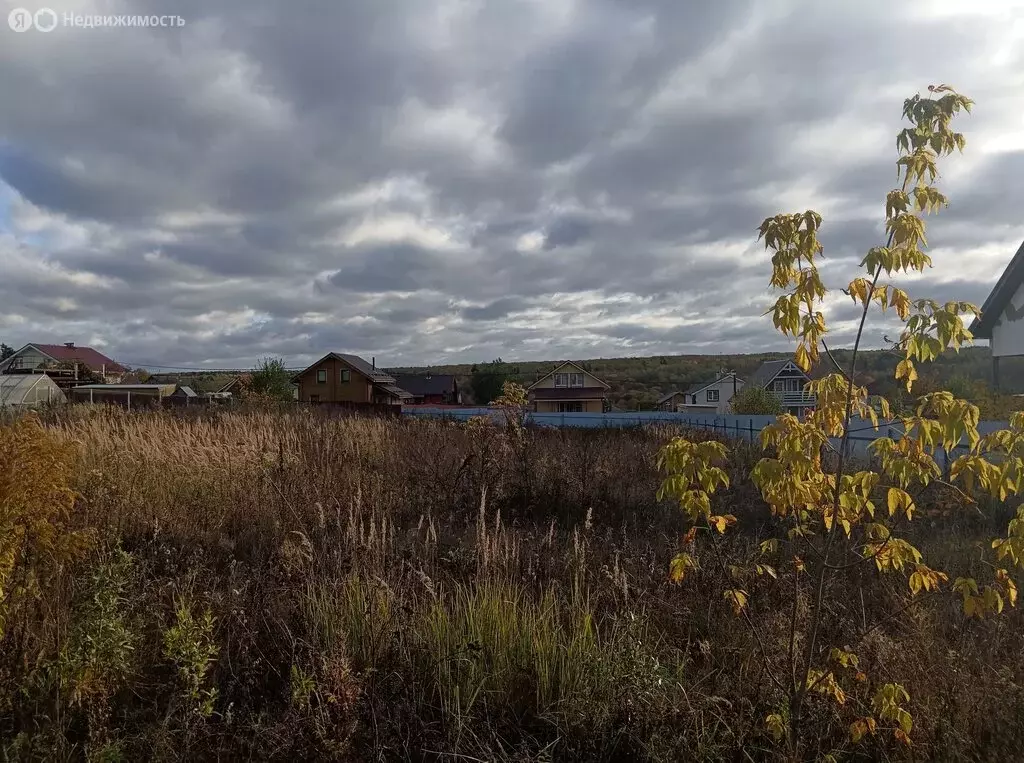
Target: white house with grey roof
<point>1001,315</point>
<point>707,397</point>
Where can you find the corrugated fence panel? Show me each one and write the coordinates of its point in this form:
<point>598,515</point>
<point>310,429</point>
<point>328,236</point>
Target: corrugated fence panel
<point>862,433</point>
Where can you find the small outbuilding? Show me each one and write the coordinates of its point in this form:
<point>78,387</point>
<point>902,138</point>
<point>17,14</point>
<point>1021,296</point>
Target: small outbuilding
<point>20,391</point>
<point>127,395</point>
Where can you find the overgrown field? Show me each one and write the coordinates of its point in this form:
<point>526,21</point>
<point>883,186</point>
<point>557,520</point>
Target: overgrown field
<point>294,586</point>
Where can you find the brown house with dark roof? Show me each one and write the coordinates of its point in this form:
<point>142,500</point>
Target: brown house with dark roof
<point>430,388</point>
<point>340,378</point>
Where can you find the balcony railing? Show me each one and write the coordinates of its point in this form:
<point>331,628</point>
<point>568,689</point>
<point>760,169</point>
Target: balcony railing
<point>796,399</point>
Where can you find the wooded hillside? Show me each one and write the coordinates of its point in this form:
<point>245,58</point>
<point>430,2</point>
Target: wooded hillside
<point>642,381</point>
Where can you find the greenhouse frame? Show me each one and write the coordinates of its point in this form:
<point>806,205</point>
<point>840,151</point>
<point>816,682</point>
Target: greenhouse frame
<point>29,391</point>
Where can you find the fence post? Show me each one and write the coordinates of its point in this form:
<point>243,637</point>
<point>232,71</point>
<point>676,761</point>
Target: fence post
<point>751,431</point>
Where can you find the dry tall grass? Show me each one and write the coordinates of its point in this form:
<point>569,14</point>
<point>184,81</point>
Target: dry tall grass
<point>386,590</point>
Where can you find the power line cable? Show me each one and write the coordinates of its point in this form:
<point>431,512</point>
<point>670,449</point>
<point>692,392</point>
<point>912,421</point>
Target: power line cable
<point>247,369</point>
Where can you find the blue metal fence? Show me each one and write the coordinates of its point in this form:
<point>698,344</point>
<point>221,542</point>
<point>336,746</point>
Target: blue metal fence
<point>862,433</point>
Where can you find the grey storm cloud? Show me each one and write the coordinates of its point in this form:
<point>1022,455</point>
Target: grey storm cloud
<point>450,181</point>
<point>496,310</point>
<point>566,232</point>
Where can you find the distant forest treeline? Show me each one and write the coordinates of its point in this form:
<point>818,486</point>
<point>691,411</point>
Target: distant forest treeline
<point>640,382</point>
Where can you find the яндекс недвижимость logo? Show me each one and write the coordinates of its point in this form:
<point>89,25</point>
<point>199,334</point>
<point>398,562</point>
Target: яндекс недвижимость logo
<point>47,19</point>
<point>22,20</point>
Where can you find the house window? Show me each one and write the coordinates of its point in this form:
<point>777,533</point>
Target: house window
<point>575,406</point>
<point>787,385</point>
<point>568,380</point>
<point>314,398</point>
<point>712,395</point>
<point>321,377</point>
<point>344,375</point>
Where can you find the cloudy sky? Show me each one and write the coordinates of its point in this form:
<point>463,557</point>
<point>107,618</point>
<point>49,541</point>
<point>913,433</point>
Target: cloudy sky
<point>456,180</point>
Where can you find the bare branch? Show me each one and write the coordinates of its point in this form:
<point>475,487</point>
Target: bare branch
<point>835,362</point>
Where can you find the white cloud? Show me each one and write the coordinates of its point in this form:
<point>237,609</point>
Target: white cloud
<point>393,227</point>
<point>530,242</point>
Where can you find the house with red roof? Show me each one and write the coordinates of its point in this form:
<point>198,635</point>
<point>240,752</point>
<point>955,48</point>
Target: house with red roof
<point>67,364</point>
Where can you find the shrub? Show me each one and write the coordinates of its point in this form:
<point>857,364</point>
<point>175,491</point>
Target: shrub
<point>36,502</point>
<point>190,645</point>
<point>755,401</point>
<point>269,381</point>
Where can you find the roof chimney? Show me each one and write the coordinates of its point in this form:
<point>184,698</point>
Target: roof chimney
<point>70,345</point>
<point>373,361</point>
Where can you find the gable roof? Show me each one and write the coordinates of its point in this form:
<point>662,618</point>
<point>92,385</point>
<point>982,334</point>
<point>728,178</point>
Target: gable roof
<point>87,356</point>
<point>704,385</point>
<point>669,396</point>
<point>372,373</point>
<point>226,386</point>
<point>420,385</point>
<point>575,365</point>
<point>999,299</point>
<point>764,376</point>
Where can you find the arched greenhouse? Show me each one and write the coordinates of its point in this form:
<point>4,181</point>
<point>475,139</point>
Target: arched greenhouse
<point>28,391</point>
